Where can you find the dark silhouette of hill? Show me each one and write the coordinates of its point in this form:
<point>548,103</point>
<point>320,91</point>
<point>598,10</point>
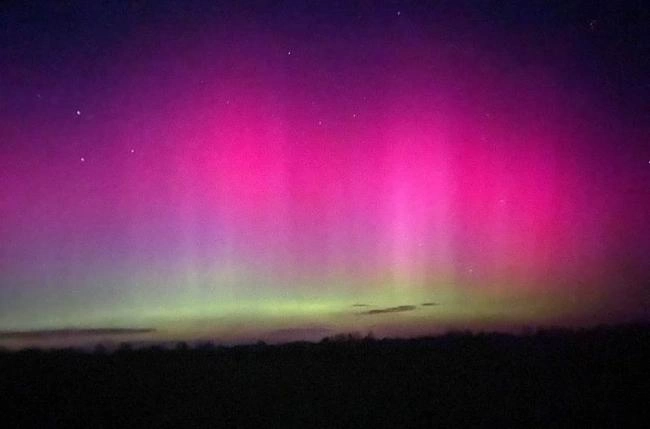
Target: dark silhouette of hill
<point>550,378</point>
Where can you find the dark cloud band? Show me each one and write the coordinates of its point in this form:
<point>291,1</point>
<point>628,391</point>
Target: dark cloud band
<point>399,309</point>
<point>58,333</point>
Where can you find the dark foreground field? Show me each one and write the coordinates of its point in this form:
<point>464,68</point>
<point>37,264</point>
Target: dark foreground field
<point>592,378</point>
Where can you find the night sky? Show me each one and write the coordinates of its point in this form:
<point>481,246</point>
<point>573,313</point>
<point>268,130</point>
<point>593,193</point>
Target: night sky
<point>290,170</point>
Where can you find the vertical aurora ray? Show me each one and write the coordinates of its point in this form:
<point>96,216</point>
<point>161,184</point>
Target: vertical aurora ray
<point>230,189</point>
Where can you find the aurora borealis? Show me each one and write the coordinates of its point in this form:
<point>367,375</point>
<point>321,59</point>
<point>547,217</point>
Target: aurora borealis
<point>289,170</point>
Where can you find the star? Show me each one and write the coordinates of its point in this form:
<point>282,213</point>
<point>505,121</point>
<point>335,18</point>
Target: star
<point>83,159</point>
<point>289,53</point>
<point>320,122</point>
<point>132,150</point>
<point>399,13</point>
<point>78,112</point>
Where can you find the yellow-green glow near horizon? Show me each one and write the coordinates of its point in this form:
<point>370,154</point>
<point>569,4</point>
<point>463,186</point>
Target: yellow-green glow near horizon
<point>209,309</point>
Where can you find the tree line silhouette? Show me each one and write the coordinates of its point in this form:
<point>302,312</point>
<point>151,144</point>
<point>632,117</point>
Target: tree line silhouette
<point>589,378</point>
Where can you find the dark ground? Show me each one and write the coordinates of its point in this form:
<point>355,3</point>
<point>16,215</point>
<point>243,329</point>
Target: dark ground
<point>553,378</point>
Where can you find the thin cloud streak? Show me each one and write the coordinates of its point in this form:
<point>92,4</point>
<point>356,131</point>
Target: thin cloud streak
<point>398,309</point>
<point>59,333</point>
